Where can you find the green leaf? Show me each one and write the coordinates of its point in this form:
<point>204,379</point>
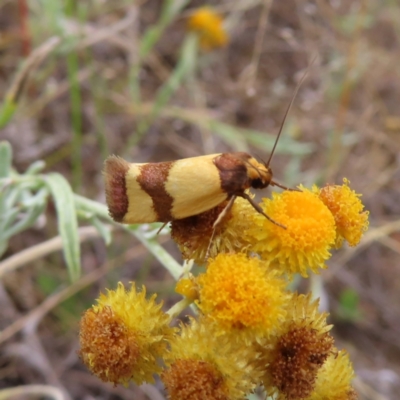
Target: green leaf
<point>170,10</point>
<point>12,195</point>
<point>26,221</point>
<point>5,159</point>
<point>39,198</point>
<point>31,208</point>
<point>103,229</point>
<point>35,167</point>
<point>93,207</point>
<point>67,221</point>
<point>3,247</point>
<point>8,214</point>
<point>286,145</point>
<point>7,217</point>
<point>231,135</point>
<point>238,138</point>
<point>349,309</point>
<point>184,67</point>
<point>7,111</point>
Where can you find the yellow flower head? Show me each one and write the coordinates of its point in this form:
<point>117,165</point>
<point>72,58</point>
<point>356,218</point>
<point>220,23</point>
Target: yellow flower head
<point>122,337</point>
<point>300,349</point>
<point>334,379</point>
<point>193,234</point>
<point>232,238</point>
<point>347,209</point>
<point>242,296</point>
<point>202,365</point>
<point>188,288</point>
<point>305,243</point>
<point>208,25</point>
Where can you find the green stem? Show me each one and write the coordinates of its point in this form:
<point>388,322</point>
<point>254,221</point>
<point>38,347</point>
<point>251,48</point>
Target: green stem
<point>177,308</point>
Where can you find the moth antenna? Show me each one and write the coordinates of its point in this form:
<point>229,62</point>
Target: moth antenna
<point>288,109</point>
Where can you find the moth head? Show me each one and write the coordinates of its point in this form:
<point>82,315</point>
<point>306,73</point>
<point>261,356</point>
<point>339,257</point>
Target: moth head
<point>259,173</point>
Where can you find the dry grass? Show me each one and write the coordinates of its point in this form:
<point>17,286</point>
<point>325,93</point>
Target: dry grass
<point>82,104</point>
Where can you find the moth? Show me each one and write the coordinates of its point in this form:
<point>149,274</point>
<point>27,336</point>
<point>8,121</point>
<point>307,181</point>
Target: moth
<point>173,190</point>
<point>167,191</point>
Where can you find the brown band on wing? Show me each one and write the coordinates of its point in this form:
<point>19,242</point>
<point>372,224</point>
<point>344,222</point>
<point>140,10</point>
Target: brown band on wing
<point>233,172</point>
<point>152,179</point>
<point>115,169</point>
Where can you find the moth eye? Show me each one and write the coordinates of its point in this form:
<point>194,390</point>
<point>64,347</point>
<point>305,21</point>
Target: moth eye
<point>258,184</point>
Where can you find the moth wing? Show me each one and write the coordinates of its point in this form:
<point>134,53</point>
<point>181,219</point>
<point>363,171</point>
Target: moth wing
<point>127,202</point>
<point>141,208</point>
<point>144,193</point>
<point>195,185</point>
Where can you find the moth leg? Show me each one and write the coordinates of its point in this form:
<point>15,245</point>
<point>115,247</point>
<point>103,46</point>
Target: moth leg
<point>220,218</point>
<point>273,183</point>
<point>259,209</point>
<point>224,212</point>
<point>162,227</point>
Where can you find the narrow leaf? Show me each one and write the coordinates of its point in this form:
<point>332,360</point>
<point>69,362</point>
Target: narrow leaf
<point>3,246</point>
<point>185,66</point>
<point>6,220</point>
<point>67,221</point>
<point>5,159</point>
<point>103,229</point>
<point>35,167</point>
<point>7,110</point>
<point>26,221</point>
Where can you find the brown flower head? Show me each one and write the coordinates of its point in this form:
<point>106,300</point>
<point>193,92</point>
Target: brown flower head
<point>123,336</point>
<point>202,365</point>
<point>300,350</point>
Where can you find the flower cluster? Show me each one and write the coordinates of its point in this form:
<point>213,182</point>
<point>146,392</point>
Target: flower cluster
<point>249,330</point>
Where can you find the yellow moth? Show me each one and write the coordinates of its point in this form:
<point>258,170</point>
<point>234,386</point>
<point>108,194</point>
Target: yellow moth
<point>167,191</point>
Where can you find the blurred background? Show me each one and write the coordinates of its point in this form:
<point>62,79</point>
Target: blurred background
<point>80,80</point>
